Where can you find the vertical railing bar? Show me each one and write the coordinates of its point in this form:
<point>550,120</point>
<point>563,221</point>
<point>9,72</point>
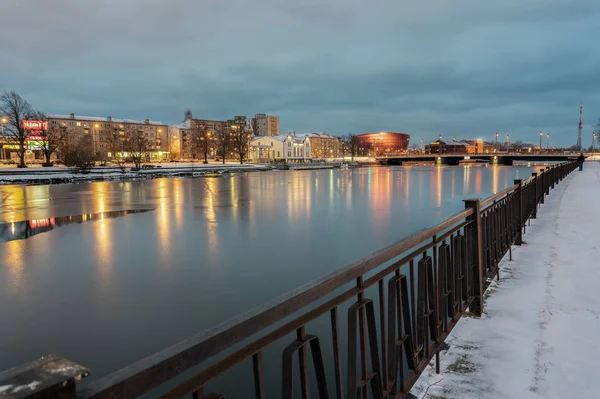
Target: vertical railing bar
<point>336,354</point>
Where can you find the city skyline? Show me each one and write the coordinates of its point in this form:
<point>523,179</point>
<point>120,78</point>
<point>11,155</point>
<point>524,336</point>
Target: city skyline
<point>463,69</point>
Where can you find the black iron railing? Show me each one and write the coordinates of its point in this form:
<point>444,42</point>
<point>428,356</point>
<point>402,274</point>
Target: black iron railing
<point>367,330</point>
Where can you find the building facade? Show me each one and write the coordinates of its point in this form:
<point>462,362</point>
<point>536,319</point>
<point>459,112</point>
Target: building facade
<point>266,149</point>
<point>265,125</point>
<point>289,148</point>
<point>107,137</point>
<point>382,143</point>
<point>323,145</point>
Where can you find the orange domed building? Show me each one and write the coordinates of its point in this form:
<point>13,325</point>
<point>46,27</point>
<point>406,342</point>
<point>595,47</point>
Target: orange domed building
<point>382,143</point>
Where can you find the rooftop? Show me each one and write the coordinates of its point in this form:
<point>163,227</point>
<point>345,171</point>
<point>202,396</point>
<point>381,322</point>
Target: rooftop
<point>104,119</point>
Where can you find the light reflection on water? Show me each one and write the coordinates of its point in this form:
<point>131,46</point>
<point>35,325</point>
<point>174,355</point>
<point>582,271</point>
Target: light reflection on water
<point>212,248</point>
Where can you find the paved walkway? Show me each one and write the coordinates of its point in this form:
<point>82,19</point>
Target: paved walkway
<point>540,335</point>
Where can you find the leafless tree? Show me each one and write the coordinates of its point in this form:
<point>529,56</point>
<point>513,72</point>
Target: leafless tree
<point>222,143</point>
<point>51,137</point>
<point>351,143</point>
<point>136,144</point>
<point>77,154</point>
<point>240,136</point>
<point>202,140</point>
<point>16,109</point>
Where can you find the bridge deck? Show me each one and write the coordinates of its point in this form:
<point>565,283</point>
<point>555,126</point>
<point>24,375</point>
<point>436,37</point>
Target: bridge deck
<point>538,337</point>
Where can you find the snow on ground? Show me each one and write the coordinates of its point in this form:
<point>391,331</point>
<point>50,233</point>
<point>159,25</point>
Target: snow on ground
<point>538,336</point>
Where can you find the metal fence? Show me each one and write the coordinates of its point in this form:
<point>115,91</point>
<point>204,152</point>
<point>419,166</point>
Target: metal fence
<point>386,315</point>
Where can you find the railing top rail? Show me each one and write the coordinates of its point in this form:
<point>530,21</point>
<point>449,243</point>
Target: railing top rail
<point>158,368</point>
<point>200,347</point>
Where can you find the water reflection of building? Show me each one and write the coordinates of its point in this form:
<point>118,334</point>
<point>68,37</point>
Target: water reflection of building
<point>29,228</point>
<point>382,143</point>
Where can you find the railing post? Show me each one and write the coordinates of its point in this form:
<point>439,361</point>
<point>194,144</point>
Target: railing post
<point>548,180</point>
<point>477,253</point>
<point>553,175</point>
<point>537,195</point>
<point>519,195</point>
<point>542,175</point>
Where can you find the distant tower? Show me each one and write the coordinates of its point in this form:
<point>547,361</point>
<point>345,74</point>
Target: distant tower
<point>579,127</point>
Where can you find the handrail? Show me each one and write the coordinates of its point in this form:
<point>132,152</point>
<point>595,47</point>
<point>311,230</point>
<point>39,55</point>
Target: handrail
<point>202,346</point>
<point>445,270</point>
<point>154,370</point>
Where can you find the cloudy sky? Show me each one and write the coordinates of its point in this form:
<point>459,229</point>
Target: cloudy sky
<point>464,68</point>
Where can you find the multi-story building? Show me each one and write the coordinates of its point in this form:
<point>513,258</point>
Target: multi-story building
<point>107,137</point>
<point>265,125</point>
<point>323,145</point>
<point>185,135</point>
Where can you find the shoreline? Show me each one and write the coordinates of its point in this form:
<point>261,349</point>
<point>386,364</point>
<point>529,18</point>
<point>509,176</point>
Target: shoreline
<point>63,175</point>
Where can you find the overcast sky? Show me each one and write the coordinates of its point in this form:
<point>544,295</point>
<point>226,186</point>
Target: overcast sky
<point>464,68</point>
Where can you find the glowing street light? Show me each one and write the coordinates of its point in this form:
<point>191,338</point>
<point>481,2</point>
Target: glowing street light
<point>541,134</point>
<point>548,141</point>
<point>496,149</point>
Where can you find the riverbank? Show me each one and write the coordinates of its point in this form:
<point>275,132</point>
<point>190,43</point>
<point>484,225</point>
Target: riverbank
<point>61,174</point>
<point>537,337</point>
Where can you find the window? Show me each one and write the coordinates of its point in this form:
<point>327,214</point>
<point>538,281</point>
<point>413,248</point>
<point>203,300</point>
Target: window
<point>78,123</point>
<point>278,154</point>
<point>289,154</point>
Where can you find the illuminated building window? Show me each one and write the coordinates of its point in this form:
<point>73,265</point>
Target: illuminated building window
<point>78,123</point>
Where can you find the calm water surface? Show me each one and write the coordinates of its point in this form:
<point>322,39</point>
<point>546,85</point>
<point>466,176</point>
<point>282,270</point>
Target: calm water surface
<point>106,287</point>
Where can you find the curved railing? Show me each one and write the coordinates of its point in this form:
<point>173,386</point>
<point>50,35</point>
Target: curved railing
<point>373,325</point>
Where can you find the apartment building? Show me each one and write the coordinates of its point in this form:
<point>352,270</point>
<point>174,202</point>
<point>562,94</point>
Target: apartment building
<point>184,133</point>
<point>265,125</point>
<point>107,137</point>
<point>323,145</point>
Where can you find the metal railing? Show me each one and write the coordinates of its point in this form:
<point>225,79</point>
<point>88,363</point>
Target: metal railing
<point>372,327</point>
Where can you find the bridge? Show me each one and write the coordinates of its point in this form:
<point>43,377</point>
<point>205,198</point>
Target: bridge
<point>370,327</point>
<point>456,159</point>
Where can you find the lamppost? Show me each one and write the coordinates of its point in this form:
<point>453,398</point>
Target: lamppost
<point>423,146</point>
<point>496,148</point>
<point>440,144</point>
<point>507,141</point>
<point>454,149</point>
<point>541,134</point>
<point>593,143</point>
<point>548,142</point>
<point>3,122</point>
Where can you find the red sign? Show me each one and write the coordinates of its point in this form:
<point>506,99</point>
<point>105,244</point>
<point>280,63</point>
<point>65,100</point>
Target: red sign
<point>34,125</point>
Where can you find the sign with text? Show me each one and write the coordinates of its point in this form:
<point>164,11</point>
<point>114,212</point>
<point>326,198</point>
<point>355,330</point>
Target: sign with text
<point>34,125</point>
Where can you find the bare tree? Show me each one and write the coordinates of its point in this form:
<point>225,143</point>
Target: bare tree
<point>16,110</point>
<point>77,154</point>
<point>351,142</point>
<point>240,136</point>
<point>202,140</point>
<point>50,137</point>
<point>222,143</point>
<point>136,144</point>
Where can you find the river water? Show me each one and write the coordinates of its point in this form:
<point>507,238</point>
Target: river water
<point>124,269</point>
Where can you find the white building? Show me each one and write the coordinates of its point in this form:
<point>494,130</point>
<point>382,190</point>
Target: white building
<point>288,148</point>
<point>264,149</point>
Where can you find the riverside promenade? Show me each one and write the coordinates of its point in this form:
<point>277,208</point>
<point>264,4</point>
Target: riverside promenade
<point>538,335</point>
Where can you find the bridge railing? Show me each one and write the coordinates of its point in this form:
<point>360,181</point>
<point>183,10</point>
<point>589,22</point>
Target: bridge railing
<point>372,326</point>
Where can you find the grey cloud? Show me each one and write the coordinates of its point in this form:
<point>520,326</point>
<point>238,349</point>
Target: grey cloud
<point>465,68</point>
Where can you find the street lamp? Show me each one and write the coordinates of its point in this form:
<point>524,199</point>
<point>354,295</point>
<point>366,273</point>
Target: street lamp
<point>541,134</point>
<point>593,143</point>
<point>496,148</point>
<point>423,146</point>
<point>507,141</point>
<point>548,142</point>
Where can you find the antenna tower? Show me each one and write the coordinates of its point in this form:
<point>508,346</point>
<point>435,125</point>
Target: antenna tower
<point>579,127</point>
